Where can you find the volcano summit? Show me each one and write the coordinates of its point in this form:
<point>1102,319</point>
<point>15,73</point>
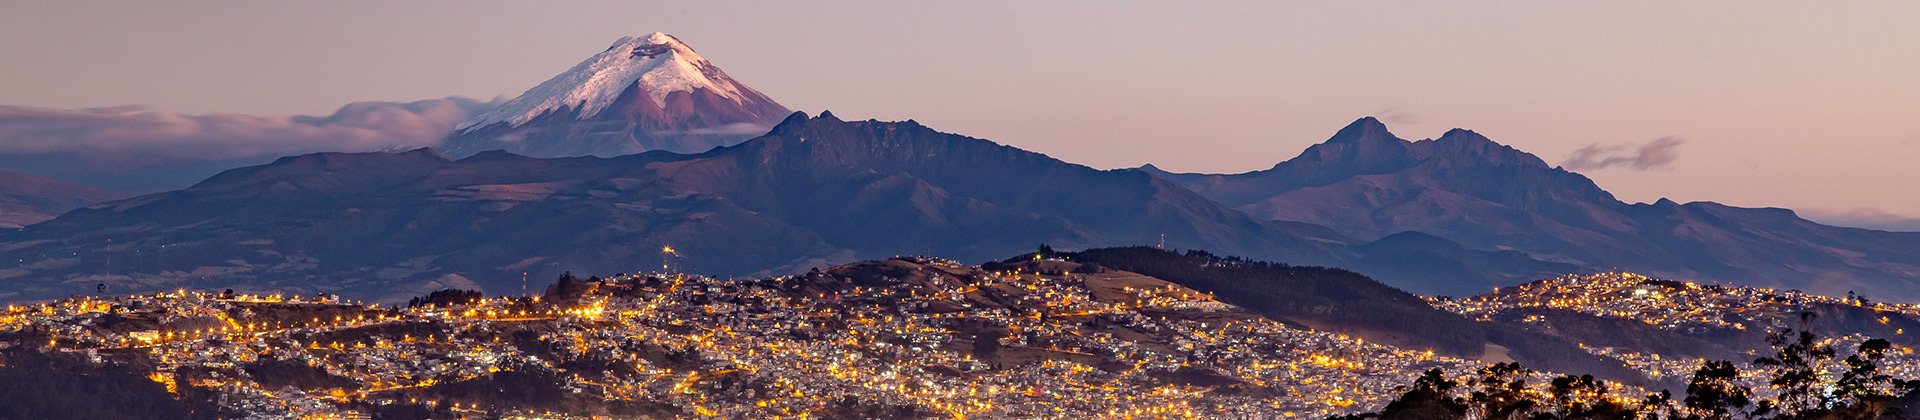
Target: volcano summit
<point>642,93</point>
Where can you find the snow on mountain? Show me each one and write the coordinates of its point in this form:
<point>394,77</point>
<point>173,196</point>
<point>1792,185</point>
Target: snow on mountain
<point>659,63</point>
<point>642,93</point>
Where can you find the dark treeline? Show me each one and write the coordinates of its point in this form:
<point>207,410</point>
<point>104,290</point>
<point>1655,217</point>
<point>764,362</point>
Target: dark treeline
<point>1803,378</point>
<point>446,297</point>
<point>36,385</point>
<point>568,289</point>
<point>276,374</point>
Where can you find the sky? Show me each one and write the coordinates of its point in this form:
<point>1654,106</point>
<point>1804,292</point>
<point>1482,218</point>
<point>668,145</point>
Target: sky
<point>1811,106</point>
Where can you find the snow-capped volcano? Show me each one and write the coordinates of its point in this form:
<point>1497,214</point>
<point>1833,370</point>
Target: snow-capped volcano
<point>642,93</point>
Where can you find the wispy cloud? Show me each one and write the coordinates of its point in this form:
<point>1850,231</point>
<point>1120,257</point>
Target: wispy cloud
<point>141,134</point>
<point>1657,154</point>
<point>734,129</point>
<point>1396,114</point>
<point>1864,218</point>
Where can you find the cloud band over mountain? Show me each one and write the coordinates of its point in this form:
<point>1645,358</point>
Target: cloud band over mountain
<point>138,135</point>
<point>1864,218</point>
<point>1657,154</point>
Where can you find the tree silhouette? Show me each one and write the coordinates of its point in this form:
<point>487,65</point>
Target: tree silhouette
<point>1862,379</point>
<point>1583,397</point>
<point>1798,359</point>
<point>1500,394</point>
<point>1500,391</point>
<point>1713,394</point>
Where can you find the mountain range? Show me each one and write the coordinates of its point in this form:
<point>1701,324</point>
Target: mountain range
<point>1463,187</point>
<point>639,148</point>
<point>421,219</point>
<point>813,191</point>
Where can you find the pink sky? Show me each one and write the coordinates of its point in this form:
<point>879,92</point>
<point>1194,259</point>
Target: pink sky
<point>1810,106</point>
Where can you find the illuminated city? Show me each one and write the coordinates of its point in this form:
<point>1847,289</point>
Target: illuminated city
<point>1735,314</point>
<point>919,337</point>
<point>438,209</point>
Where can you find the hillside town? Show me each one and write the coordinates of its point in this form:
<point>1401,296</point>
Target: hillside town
<point>908,337</point>
<point>1724,313</point>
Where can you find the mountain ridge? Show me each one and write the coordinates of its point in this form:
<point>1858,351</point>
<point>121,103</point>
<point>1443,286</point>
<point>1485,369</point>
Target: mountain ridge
<point>1469,189</point>
<point>815,191</point>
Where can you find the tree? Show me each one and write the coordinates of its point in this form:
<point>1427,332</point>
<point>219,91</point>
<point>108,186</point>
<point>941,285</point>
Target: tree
<point>1045,251</point>
<point>1797,362</point>
<point>1713,394</point>
<point>1863,379</point>
<point>1089,268</point>
<point>1501,392</point>
<point>1659,405</point>
<point>1582,397</point>
<point>1430,398</point>
<point>446,297</point>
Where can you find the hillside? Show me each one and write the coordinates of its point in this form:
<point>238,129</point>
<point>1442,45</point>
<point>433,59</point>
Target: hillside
<point>26,199</point>
<point>1338,300</point>
<point>894,338</point>
<point>1667,328</point>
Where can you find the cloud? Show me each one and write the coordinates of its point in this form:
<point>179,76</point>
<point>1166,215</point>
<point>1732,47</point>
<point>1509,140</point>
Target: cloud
<point>1657,154</point>
<point>734,129</point>
<point>1864,218</point>
<point>1396,115</point>
<point>142,135</point>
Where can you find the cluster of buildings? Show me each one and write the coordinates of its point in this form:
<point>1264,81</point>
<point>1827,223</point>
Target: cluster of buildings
<point>912,337</point>
<point>1732,312</point>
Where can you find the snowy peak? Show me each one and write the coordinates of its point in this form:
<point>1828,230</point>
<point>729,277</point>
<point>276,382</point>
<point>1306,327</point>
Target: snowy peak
<point>655,66</point>
<point>642,93</point>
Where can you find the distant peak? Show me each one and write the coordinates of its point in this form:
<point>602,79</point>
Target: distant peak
<point>1461,135</point>
<point>426,152</point>
<point>654,45</point>
<point>1461,132</point>
<point>656,64</point>
<point>494,155</point>
<point>1154,170</point>
<point>1365,128</point>
<point>827,125</point>
<point>798,120</point>
<point>1466,147</point>
<point>662,38</point>
<point>793,122</point>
